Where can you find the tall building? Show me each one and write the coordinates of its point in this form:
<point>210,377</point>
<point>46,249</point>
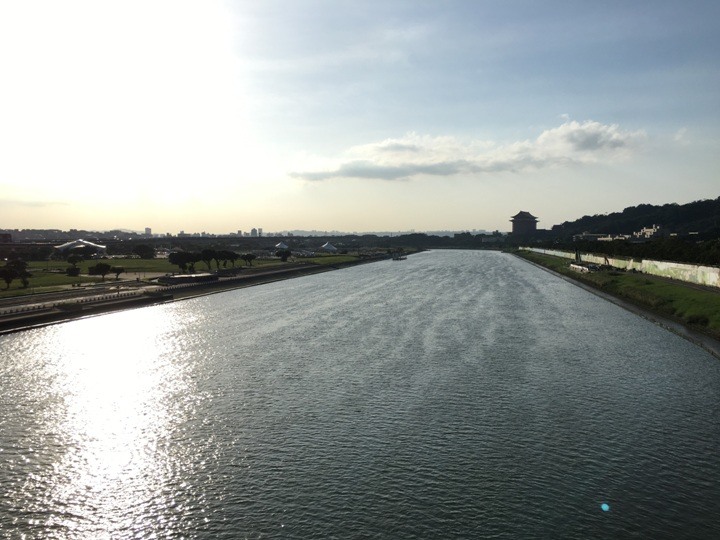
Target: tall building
<point>524,223</point>
<point>253,232</point>
<point>259,231</point>
<point>148,231</point>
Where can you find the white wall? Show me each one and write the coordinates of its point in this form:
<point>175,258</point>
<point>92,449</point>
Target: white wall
<point>703,275</point>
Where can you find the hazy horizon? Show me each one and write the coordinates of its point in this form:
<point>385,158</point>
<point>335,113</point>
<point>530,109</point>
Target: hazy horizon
<point>342,116</point>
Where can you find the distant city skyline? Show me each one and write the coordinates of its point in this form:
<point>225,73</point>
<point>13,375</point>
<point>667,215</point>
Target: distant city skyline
<point>353,116</point>
<point>239,233</point>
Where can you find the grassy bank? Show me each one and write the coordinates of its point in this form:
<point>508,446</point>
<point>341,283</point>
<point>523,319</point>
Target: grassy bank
<point>50,276</point>
<point>696,308</point>
<point>70,305</point>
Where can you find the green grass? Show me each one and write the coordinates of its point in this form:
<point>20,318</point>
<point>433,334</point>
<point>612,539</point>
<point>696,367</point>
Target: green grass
<point>43,283</point>
<point>49,276</point>
<point>697,308</point>
<point>130,265</point>
<point>331,259</point>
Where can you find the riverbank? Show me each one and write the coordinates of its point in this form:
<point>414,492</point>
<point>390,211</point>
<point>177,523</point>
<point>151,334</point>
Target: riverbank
<point>75,307</point>
<point>705,338</point>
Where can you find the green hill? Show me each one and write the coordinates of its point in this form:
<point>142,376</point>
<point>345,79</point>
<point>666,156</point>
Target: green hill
<point>701,217</point>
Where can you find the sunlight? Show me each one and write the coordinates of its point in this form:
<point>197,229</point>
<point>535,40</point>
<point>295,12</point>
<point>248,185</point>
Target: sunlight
<point>121,397</point>
<point>152,88</point>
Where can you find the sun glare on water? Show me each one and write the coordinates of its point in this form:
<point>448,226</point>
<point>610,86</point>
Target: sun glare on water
<point>116,394</point>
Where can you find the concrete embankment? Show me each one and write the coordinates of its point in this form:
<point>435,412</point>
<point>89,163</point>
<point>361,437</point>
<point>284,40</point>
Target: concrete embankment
<point>706,342</point>
<point>690,273</point>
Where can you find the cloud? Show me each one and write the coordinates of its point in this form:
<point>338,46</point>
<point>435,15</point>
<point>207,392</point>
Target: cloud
<point>681,136</point>
<point>586,137</point>
<point>399,147</point>
<point>368,169</point>
<point>415,155</point>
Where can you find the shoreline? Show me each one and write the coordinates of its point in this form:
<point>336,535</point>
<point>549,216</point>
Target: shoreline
<point>73,308</point>
<point>705,342</point>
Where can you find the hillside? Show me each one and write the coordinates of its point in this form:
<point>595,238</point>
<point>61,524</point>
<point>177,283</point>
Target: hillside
<point>699,216</point>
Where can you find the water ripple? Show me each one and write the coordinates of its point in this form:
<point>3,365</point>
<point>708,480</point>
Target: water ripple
<point>455,395</point>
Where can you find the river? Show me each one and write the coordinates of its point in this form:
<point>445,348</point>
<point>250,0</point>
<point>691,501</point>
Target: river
<point>457,394</point>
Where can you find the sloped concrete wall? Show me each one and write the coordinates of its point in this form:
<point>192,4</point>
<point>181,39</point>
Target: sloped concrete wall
<point>692,273</point>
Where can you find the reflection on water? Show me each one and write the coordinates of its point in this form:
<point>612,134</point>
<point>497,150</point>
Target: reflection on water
<point>455,395</point>
<point>109,396</point>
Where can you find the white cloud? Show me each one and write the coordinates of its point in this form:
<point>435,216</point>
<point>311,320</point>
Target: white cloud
<point>414,155</point>
<point>681,136</point>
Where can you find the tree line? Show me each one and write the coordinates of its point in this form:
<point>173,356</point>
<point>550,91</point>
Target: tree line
<point>702,217</point>
<point>186,260</point>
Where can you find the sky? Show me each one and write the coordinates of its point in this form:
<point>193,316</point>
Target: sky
<point>337,115</point>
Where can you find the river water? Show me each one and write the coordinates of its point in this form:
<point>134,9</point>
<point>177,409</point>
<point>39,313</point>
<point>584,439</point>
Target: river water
<point>456,394</point>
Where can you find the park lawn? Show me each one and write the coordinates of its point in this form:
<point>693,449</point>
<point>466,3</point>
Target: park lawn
<point>130,265</point>
<point>257,263</point>
<point>691,306</point>
<point>151,266</point>
<point>44,281</point>
<point>49,276</point>
<point>331,259</point>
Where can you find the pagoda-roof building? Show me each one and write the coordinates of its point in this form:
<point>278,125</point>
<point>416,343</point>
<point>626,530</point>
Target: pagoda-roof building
<point>524,223</point>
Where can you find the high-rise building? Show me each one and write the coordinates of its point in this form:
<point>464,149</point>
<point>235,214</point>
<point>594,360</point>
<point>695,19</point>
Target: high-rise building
<point>253,232</point>
<point>259,231</point>
<point>148,231</point>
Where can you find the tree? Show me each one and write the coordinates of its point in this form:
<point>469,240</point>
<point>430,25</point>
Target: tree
<point>207,256</point>
<point>144,251</point>
<point>283,254</point>
<point>180,259</point>
<point>192,258</point>
<point>7,274</point>
<point>117,270</point>
<point>226,255</point>
<point>75,259</point>
<point>20,268</point>
<point>100,269</point>
<point>248,258</point>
